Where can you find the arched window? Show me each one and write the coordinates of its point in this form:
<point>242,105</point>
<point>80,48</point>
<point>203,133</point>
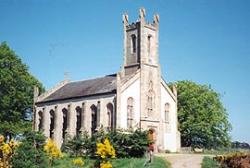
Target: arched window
<point>78,120</point>
<point>150,97</point>
<point>149,45</point>
<point>166,112</point>
<point>52,124</point>
<point>133,43</point>
<point>110,114</point>
<point>130,112</point>
<point>93,118</point>
<point>65,122</point>
<point>40,119</point>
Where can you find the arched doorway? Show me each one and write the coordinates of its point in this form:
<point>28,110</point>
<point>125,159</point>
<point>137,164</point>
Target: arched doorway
<point>93,118</point>
<point>152,136</point>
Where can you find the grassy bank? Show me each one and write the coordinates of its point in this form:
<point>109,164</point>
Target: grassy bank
<point>117,163</point>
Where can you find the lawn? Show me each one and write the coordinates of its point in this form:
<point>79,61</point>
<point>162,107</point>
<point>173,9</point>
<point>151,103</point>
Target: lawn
<point>117,163</point>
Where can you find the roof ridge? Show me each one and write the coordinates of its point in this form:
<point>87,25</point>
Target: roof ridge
<point>111,75</point>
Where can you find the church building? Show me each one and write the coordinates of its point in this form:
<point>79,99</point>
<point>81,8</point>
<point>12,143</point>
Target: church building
<point>135,97</point>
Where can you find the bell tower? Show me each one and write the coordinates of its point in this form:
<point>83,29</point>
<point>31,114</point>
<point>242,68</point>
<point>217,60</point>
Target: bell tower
<point>140,42</point>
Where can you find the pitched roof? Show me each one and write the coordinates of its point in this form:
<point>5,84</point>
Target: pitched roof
<point>97,86</point>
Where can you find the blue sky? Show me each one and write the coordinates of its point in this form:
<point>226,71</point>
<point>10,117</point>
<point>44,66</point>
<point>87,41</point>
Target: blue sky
<point>206,41</point>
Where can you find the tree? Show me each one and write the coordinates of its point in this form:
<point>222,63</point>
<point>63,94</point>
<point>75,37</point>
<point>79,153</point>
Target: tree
<point>16,92</point>
<point>203,121</point>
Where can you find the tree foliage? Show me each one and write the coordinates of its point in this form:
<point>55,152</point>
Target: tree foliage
<point>16,92</point>
<point>203,121</point>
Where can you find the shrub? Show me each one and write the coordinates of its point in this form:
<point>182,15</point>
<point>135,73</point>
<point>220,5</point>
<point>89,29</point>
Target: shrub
<point>126,143</point>
<point>105,152</point>
<point>30,152</point>
<point>80,145</point>
<point>6,152</point>
<point>238,159</point>
<point>78,162</point>
<point>129,144</point>
<point>52,151</point>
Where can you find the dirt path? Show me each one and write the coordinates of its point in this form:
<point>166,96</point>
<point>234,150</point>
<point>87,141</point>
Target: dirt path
<point>184,160</point>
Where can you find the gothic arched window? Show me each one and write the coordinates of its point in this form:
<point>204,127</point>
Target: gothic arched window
<point>133,43</point>
<point>40,119</point>
<point>166,112</point>
<point>78,120</point>
<point>94,118</point>
<point>150,97</point>
<point>110,114</point>
<point>130,112</point>
<point>149,41</point>
<point>65,122</point>
<point>52,123</point>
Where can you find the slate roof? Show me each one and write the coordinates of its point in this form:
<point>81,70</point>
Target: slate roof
<point>97,86</point>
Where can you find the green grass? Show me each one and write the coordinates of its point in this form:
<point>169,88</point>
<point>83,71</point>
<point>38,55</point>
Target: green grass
<point>208,162</point>
<point>222,151</point>
<point>158,162</point>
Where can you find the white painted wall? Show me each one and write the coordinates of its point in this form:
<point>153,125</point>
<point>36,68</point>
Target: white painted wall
<point>170,128</point>
<point>133,91</point>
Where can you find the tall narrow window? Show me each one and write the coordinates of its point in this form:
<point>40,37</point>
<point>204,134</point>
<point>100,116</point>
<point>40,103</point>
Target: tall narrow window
<point>65,122</point>
<point>93,118</point>
<point>110,114</point>
<point>166,112</point>
<point>52,124</point>
<point>133,43</point>
<point>149,45</point>
<point>40,125</point>
<point>78,120</point>
<point>130,112</point>
<point>150,98</point>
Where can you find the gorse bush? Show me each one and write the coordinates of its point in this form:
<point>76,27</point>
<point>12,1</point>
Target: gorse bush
<point>78,162</point>
<point>52,151</point>
<point>105,152</point>
<point>6,152</point>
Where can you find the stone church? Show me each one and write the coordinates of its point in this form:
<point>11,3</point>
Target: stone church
<point>135,97</point>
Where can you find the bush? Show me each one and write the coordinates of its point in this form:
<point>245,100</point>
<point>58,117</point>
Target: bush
<point>81,145</point>
<point>127,144</point>
<point>30,153</point>
<point>238,159</point>
<point>6,152</point>
<point>52,151</point>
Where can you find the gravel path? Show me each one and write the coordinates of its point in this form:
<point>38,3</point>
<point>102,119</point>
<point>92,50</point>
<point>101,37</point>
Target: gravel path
<point>184,160</point>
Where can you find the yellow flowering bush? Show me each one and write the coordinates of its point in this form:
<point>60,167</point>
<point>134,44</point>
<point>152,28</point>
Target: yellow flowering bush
<point>6,152</point>
<point>106,152</point>
<point>106,164</point>
<point>52,150</point>
<point>105,149</point>
<point>78,162</point>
